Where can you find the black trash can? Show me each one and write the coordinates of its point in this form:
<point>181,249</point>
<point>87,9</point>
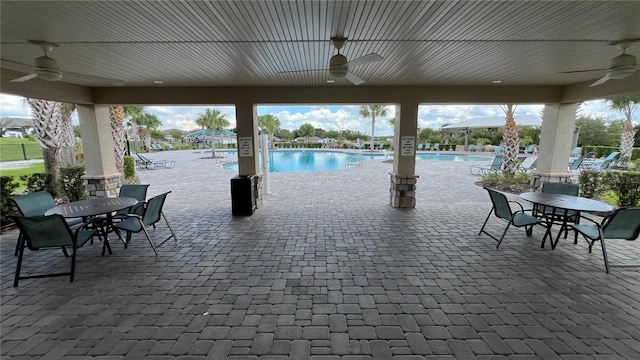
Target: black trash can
<point>243,195</point>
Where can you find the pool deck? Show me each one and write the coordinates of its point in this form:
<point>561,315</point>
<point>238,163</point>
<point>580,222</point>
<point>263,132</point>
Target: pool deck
<point>325,270</point>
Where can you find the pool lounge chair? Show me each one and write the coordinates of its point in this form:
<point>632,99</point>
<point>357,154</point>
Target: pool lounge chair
<point>601,164</point>
<point>576,152</point>
<point>528,164</point>
<point>419,147</point>
<point>495,166</point>
<point>436,147</point>
<point>427,146</point>
<point>146,163</point>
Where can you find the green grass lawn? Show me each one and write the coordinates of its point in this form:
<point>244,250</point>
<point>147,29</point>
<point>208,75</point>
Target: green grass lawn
<point>12,149</point>
<point>16,173</point>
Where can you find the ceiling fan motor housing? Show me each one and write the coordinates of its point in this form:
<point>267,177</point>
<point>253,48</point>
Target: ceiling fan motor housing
<point>47,69</point>
<point>622,66</point>
<point>338,67</point>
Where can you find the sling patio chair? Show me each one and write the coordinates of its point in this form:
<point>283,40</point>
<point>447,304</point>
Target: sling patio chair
<point>495,166</point>
<point>554,216</point>
<point>436,147</point>
<point>35,204</point>
<point>623,224</point>
<point>502,210</point>
<point>528,164</point>
<point>143,162</point>
<point>419,147</point>
<point>151,215</point>
<point>427,146</point>
<point>42,232</point>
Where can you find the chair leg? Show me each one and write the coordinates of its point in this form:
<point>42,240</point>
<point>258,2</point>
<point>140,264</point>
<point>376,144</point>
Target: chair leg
<point>19,265</point>
<point>485,222</point>
<point>18,244</point>
<point>604,253</point>
<point>503,234</point>
<point>73,260</point>
<point>149,238</point>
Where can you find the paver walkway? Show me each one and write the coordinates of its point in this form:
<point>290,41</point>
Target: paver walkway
<point>326,269</point>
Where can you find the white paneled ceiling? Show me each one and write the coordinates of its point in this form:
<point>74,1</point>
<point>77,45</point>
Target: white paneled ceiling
<point>250,43</point>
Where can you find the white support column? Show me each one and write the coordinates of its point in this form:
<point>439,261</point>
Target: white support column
<point>102,177</point>
<point>556,139</point>
<point>248,155</point>
<point>403,178</point>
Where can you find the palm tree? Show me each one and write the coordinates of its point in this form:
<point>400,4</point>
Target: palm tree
<point>510,140</point>
<point>146,123</point>
<point>373,111</point>
<point>626,105</point>
<point>46,125</point>
<point>67,136</point>
<point>117,116</point>
<point>212,119</point>
<point>133,113</point>
<point>270,124</point>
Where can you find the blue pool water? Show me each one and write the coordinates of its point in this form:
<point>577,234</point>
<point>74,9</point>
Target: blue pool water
<point>306,160</point>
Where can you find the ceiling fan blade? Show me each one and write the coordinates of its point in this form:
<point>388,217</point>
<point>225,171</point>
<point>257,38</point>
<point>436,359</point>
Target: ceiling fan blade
<point>580,71</point>
<point>601,81</point>
<point>354,79</point>
<point>91,78</point>
<point>298,71</point>
<point>16,66</point>
<point>24,78</point>
<point>367,59</point>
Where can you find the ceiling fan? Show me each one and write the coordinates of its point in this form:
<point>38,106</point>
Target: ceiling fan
<point>620,67</point>
<point>339,66</point>
<point>47,68</point>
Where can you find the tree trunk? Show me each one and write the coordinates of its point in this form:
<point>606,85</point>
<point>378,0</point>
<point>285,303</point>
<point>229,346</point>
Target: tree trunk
<point>373,128</point>
<point>67,137</point>
<point>510,142</point>
<point>46,124</point>
<point>116,115</point>
<point>627,139</point>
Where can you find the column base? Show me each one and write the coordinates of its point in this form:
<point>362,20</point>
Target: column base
<point>537,178</point>
<point>403,190</point>
<point>101,186</point>
<point>260,190</point>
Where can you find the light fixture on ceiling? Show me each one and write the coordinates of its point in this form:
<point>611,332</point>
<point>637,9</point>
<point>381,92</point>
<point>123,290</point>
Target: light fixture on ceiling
<point>158,82</point>
<point>330,81</point>
<point>496,82</point>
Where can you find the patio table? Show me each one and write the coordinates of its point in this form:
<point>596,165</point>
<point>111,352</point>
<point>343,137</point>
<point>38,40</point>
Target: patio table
<point>91,208</point>
<point>561,205</point>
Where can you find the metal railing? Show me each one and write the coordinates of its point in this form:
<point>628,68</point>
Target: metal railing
<point>354,160</point>
<point>17,152</point>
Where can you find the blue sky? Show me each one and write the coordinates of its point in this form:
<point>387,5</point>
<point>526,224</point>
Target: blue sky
<point>328,117</point>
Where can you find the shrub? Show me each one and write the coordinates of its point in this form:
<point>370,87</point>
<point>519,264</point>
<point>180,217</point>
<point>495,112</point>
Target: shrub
<point>38,182</point>
<point>7,186</point>
<point>73,186</point>
<point>624,184</point>
<point>129,168</point>
<point>591,185</point>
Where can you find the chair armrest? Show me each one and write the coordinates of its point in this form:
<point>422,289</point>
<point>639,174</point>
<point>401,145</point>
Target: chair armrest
<point>520,205</point>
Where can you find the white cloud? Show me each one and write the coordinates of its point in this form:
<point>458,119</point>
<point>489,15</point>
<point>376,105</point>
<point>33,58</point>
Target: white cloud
<point>13,106</point>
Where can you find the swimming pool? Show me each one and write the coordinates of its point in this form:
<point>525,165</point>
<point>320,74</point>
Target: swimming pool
<point>323,160</point>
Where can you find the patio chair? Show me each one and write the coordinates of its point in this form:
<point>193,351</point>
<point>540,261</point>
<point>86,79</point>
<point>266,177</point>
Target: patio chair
<point>42,232</point>
<point>528,164</point>
<point>436,147</point>
<point>564,217</point>
<point>471,147</point>
<point>576,165</point>
<point>151,215</point>
<point>147,163</point>
<point>530,149</point>
<point>576,152</point>
<point>419,147</point>
<point>495,166</point>
<point>498,149</point>
<point>502,210</point>
<point>427,146</point>
<point>479,147</point>
<point>35,204</point>
<point>602,164</point>
<point>623,223</point>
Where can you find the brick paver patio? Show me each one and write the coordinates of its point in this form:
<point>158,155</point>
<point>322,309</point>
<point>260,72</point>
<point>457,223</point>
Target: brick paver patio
<point>326,269</point>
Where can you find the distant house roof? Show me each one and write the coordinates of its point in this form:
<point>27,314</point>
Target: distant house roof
<point>495,122</point>
<point>16,122</point>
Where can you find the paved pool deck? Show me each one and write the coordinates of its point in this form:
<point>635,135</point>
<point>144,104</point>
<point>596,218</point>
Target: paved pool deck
<point>325,270</point>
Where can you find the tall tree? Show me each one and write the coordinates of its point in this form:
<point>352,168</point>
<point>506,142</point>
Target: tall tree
<point>306,130</point>
<point>146,123</point>
<point>373,112</point>
<point>626,105</point>
<point>117,115</point>
<point>213,120</point>
<point>510,140</point>
<point>46,125</point>
<point>67,135</point>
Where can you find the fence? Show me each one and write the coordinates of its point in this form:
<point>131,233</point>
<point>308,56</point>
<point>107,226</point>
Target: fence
<point>14,152</point>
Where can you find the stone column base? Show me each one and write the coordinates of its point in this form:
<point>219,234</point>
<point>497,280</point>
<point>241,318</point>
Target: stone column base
<point>537,178</point>
<point>101,186</point>
<point>403,190</point>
